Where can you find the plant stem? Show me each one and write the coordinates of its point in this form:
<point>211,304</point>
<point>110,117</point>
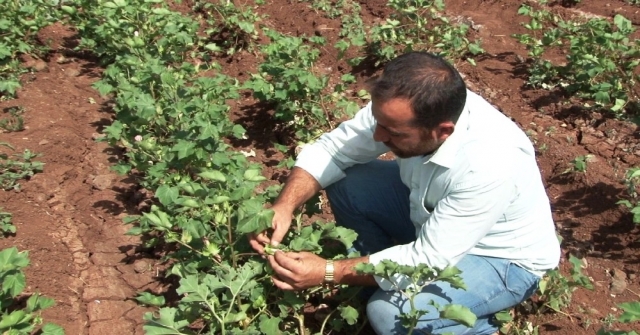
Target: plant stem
<point>234,259</point>
<point>300,318</point>
<point>324,322</point>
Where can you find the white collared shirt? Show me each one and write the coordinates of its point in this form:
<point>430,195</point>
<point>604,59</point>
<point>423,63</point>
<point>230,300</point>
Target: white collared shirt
<point>480,193</point>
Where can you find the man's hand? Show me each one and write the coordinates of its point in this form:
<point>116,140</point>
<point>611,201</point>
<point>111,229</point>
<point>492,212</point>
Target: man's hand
<point>300,186</point>
<point>297,270</point>
<point>280,226</point>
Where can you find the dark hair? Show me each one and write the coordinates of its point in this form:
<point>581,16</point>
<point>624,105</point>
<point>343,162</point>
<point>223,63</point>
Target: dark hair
<point>434,87</point>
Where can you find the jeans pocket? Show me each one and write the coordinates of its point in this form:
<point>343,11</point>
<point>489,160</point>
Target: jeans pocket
<point>520,282</point>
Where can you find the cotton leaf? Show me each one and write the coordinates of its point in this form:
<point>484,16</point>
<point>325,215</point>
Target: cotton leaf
<point>459,313</point>
<point>349,314</point>
<point>631,311</point>
<point>52,329</point>
<point>270,325</point>
<point>165,323</point>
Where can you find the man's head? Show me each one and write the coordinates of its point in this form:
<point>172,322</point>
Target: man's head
<point>416,102</point>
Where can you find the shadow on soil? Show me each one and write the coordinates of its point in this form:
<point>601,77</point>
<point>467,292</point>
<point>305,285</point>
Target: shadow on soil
<point>518,65</point>
<point>612,239</point>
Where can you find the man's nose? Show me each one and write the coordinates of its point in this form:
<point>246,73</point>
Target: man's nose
<point>380,135</point>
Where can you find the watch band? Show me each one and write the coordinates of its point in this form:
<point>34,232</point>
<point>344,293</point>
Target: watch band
<point>328,272</point>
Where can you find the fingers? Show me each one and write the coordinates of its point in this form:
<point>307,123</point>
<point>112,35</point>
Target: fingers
<point>296,270</point>
<point>281,223</point>
<point>258,241</point>
<point>287,260</point>
<point>278,235</point>
<point>282,284</point>
<point>282,271</point>
<point>285,278</point>
<point>262,238</point>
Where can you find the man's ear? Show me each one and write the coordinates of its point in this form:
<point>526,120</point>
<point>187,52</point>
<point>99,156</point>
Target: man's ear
<point>444,130</point>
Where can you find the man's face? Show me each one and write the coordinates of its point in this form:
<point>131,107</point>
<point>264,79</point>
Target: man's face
<point>395,130</point>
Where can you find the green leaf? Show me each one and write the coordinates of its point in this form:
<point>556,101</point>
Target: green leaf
<point>235,317</point>
<point>542,285</point>
<point>193,291</point>
<point>188,202</point>
<point>238,131</point>
<point>184,148</point>
<point>270,325</point>
<point>254,217</point>
<point>14,283</point>
<point>631,312</point>
<point>68,9</point>
<point>622,23</point>
<point>451,275</point>
<point>110,4</point>
<point>167,194</point>
<point>349,314</point>
<point>165,323</point>
<point>345,235</point>
<point>459,313</point>
<point>14,319</point>
<point>161,11</point>
<point>602,97</point>
<point>503,316</point>
<point>256,223</point>
<point>52,329</point>
<point>10,259</point>
<point>37,302</point>
<point>253,175</point>
<point>9,86</point>
<point>618,105</point>
<point>149,299</point>
<point>213,175</point>
<point>134,231</point>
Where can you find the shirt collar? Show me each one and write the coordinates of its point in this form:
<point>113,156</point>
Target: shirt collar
<point>446,154</point>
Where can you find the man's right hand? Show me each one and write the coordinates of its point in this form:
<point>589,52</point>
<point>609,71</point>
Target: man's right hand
<point>280,226</point>
<point>300,186</point>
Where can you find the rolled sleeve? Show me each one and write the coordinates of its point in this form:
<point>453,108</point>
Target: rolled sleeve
<point>349,144</point>
<point>319,163</point>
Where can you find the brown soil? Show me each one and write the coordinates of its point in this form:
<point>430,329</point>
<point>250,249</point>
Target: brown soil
<point>69,216</point>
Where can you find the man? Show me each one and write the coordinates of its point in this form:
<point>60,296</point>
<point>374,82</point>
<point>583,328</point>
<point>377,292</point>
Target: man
<point>465,191</point>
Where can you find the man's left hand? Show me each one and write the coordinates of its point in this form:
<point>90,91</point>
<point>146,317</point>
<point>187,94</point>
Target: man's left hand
<point>297,270</point>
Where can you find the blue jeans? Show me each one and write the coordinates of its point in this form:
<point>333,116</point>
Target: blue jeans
<point>373,201</point>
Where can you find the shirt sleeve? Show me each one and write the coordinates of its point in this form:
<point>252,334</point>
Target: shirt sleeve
<point>458,222</point>
<point>349,144</point>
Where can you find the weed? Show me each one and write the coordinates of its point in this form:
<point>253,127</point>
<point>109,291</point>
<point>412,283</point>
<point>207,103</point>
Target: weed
<point>514,326</point>
<point>15,167</point>
<point>555,291</point>
<point>14,121</point>
<point>631,180</point>
<point>543,148</point>
<point>631,314</point>
<point>6,225</point>
<point>579,164</point>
